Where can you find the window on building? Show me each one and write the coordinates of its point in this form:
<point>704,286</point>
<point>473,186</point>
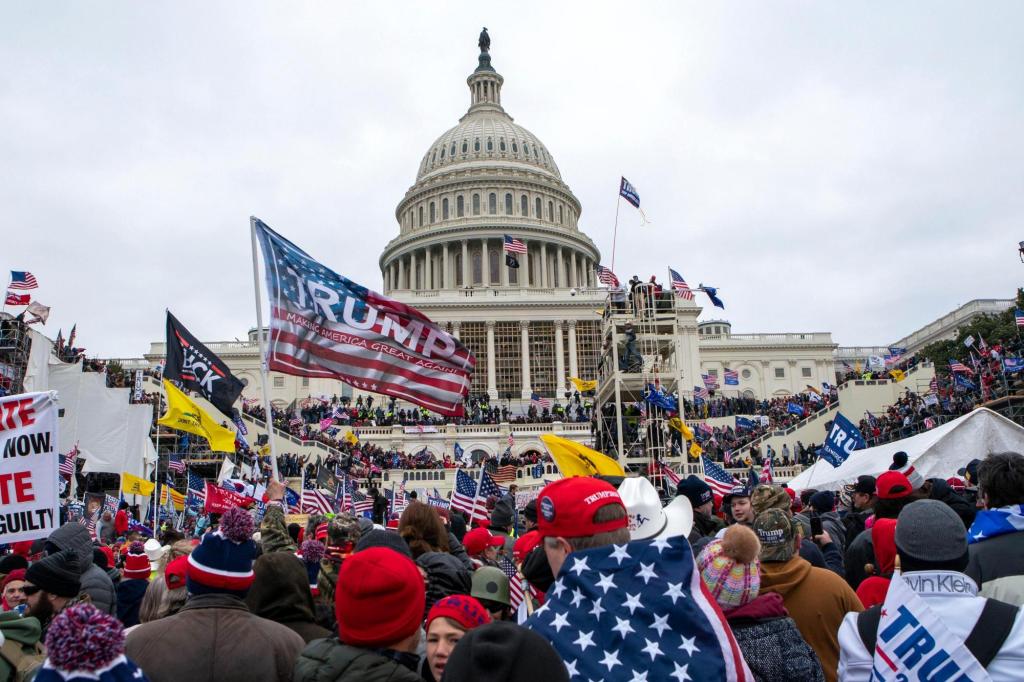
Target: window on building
<point>536,208</point>
<point>526,149</point>
<point>305,382</point>
<point>508,204</point>
<point>560,215</point>
<point>465,146</point>
<point>490,145</point>
<point>460,206</point>
<point>524,206</point>
<point>501,144</point>
<point>451,153</point>
<point>433,217</point>
<point>805,372</point>
<point>478,268</point>
<point>278,382</point>
<point>494,257</point>
<point>515,147</point>
<point>713,373</point>
<point>476,144</point>
<point>476,204</point>
<point>421,216</point>
<point>458,269</point>
<point>780,372</point>
<point>444,209</point>
<point>513,274</point>
<point>745,374</point>
<point>442,153</point>
<point>551,211</point>
<point>492,203</point>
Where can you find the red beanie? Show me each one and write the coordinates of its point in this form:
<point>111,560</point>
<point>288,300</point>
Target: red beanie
<point>16,574</point>
<point>463,609</point>
<point>136,567</point>
<point>379,598</point>
<point>109,553</point>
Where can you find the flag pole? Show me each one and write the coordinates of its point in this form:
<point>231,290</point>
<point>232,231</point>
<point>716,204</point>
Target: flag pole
<point>615,230</point>
<point>156,480</point>
<point>476,495</point>
<point>264,379</point>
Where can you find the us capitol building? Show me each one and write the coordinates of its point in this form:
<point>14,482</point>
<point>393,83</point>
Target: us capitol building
<point>531,327</point>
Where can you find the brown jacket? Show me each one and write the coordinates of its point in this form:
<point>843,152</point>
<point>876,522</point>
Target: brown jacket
<point>214,637</point>
<point>817,599</point>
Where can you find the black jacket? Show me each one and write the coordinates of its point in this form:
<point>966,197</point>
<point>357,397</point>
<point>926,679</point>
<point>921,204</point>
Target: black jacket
<point>997,565</point>
<point>943,493</point>
<point>129,599</point>
<point>281,593</point>
<point>328,660</point>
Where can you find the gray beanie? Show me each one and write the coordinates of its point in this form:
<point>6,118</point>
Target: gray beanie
<point>930,531</point>
<point>383,538</point>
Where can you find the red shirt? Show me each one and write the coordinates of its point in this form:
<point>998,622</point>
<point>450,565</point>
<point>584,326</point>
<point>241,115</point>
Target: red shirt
<point>121,522</point>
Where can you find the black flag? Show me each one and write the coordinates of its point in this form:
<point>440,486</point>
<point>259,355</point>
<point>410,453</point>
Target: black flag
<point>511,260</point>
<point>193,366</point>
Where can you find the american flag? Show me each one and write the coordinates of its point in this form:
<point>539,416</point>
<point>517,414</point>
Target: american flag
<point>196,489</point>
<point>672,476</point>
<point>606,276</point>
<point>727,457</point>
<point>67,462</point>
<point>504,475</point>
<point>293,501</point>
<point>315,502</point>
<point>22,280</point>
<point>513,245</point>
<point>957,366</point>
<point>701,392</point>
<point>358,336</point>
<point>175,463</point>
<point>464,496</point>
<point>766,473</point>
<point>515,583</point>
<point>732,377</point>
<point>933,385</point>
<point>1018,316</point>
<point>720,480</point>
<point>643,610</point>
<point>710,382</point>
<point>540,403</point>
<point>295,421</point>
<point>680,286</point>
<point>90,524</point>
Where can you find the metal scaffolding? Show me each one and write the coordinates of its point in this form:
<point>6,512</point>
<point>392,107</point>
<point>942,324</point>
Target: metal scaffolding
<point>15,346</point>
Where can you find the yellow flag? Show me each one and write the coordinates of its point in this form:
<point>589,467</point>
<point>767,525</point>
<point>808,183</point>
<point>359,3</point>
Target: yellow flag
<point>583,386</point>
<point>898,374</point>
<point>856,367</point>
<point>185,415</point>
<point>574,459</point>
<point>351,438</point>
<point>133,485</point>
<point>680,426</point>
<point>178,499</point>
<point>695,451</point>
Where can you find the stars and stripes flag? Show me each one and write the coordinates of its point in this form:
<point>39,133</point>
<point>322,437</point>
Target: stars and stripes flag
<point>325,325</point>
<point>1018,316</point>
<point>701,392</point>
<point>315,502</point>
<point>766,473</point>
<point>607,277</point>
<point>720,480</point>
<point>933,385</point>
<point>466,499</point>
<point>540,403</point>
<point>196,490</point>
<point>516,592</point>
<point>22,279</point>
<point>67,462</point>
<point>667,472</point>
<point>680,286</point>
<point>295,422</point>
<point>710,382</point>
<point>732,377</point>
<point>513,245</point>
<point>361,502</point>
<point>175,463</point>
<point>504,474</point>
<point>957,366</point>
<point>643,610</point>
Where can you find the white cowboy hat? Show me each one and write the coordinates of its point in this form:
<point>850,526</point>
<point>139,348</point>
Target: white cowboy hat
<point>647,518</point>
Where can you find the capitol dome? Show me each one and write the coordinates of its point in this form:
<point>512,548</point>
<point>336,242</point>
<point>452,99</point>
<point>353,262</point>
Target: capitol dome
<point>483,179</point>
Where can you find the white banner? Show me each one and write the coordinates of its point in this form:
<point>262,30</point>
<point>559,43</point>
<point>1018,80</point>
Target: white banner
<point>876,362</point>
<point>138,385</point>
<point>28,466</point>
<point>420,429</point>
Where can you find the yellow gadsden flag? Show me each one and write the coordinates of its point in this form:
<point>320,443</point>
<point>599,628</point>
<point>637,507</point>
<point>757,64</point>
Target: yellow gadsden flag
<point>574,459</point>
<point>178,499</point>
<point>583,386</point>
<point>185,415</point>
<point>351,438</point>
<point>680,426</point>
<point>695,451</point>
<point>133,485</point>
<point>898,375</point>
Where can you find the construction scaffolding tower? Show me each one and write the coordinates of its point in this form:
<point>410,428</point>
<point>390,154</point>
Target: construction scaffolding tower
<point>15,346</point>
<point>643,350</point>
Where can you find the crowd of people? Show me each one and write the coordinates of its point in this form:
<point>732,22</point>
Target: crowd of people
<point>593,579</point>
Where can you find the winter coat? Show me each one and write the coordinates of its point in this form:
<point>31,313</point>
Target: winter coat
<point>95,581</point>
<point>997,565</point>
<point>446,575</point>
<point>129,599</point>
<point>328,660</point>
<point>817,599</point>
<point>942,492</point>
<point>214,637</point>
<point>855,522</point>
<point>23,633</point>
<point>860,553</point>
<point>281,593</point>
<point>456,549</point>
<point>771,644</point>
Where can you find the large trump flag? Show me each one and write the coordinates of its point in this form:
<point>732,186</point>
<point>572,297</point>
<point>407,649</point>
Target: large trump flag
<point>325,325</point>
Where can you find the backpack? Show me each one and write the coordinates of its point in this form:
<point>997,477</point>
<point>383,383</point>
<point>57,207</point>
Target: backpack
<point>24,659</point>
<point>984,641</point>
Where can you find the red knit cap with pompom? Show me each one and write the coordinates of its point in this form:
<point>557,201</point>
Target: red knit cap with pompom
<point>312,551</point>
<point>237,525</point>
<point>136,548</point>
<point>82,638</point>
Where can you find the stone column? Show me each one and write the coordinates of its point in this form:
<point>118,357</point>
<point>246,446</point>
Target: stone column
<point>492,377</point>
<point>560,381</point>
<point>428,268</point>
<point>524,270</point>
<point>573,361</point>
<point>465,263</point>
<point>560,267</point>
<point>446,273</point>
<point>486,262</point>
<point>524,332</point>
<point>504,268</point>
<point>544,264</point>
<point>765,366</point>
<point>574,281</point>
<point>401,271</point>
<point>456,329</point>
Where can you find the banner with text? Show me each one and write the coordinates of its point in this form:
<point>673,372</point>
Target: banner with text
<point>842,440</point>
<point>28,468</point>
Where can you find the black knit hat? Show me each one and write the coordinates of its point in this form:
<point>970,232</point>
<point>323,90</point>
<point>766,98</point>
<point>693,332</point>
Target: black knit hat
<point>12,562</point>
<point>56,574</point>
<point>504,652</point>
<point>383,538</point>
<point>530,511</point>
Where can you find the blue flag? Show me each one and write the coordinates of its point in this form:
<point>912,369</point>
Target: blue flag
<point>712,293</point>
<point>629,193</point>
<point>744,424</point>
<point>794,408</point>
<point>642,610</point>
<point>659,399</point>
<point>964,382</point>
<point>842,440</point>
<point>1011,365</point>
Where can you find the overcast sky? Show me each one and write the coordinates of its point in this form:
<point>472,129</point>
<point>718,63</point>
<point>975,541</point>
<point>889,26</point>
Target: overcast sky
<point>848,167</point>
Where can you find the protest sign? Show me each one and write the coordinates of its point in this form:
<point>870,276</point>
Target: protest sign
<point>28,467</point>
<point>300,519</point>
<point>219,500</point>
<point>842,440</point>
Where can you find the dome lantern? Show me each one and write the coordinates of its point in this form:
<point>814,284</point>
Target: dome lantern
<point>485,83</point>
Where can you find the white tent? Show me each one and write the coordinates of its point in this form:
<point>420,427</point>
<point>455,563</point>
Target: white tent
<point>937,453</point>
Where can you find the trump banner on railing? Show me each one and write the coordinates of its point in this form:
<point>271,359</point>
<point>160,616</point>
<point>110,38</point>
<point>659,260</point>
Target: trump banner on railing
<point>325,325</point>
<point>842,440</point>
<point>28,468</point>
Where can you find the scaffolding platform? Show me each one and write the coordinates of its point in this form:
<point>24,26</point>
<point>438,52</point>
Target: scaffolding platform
<point>15,346</point>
